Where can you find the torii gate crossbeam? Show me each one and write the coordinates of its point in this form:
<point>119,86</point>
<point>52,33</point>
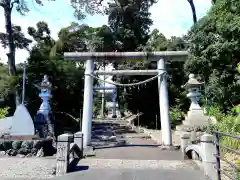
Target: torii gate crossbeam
<point>160,57</point>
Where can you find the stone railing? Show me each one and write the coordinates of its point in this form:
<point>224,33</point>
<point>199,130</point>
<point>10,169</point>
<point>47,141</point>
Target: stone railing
<point>69,152</point>
<point>203,152</point>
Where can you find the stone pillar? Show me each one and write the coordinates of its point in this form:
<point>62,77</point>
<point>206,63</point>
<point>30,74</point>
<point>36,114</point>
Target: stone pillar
<point>103,104</point>
<point>87,103</point>
<point>185,141</point>
<point>114,113</point>
<point>62,156</point>
<point>78,139</point>
<point>164,105</point>
<point>208,158</point>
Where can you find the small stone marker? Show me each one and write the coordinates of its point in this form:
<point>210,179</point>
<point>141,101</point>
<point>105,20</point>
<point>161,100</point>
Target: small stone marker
<point>22,123</point>
<point>63,147</point>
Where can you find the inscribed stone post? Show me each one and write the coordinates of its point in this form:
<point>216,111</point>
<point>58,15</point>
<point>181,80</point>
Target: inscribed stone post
<point>63,147</point>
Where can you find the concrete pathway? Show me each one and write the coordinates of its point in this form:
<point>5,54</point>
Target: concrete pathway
<point>139,159</point>
<point>135,174</point>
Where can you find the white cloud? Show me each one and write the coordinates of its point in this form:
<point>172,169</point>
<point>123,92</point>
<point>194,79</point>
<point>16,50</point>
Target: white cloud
<point>24,22</point>
<point>174,17</point>
<point>170,17</point>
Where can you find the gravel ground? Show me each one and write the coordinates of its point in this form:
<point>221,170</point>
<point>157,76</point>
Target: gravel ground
<point>31,168</point>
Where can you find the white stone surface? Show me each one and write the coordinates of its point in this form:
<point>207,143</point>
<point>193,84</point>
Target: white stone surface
<point>5,125</point>
<point>164,105</point>
<point>22,123</point>
<point>196,118</point>
<point>87,103</point>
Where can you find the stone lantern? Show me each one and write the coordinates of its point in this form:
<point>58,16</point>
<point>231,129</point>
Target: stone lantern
<point>44,118</point>
<point>45,95</point>
<point>195,116</point>
<point>193,86</point>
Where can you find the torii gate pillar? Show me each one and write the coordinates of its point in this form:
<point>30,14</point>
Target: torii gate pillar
<point>87,103</point>
<point>164,105</point>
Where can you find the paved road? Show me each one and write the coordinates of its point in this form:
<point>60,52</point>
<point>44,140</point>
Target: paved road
<point>141,159</point>
<point>137,146</point>
<point>135,174</point>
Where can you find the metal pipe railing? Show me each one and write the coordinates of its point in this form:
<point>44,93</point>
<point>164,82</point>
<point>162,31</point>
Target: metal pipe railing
<point>218,146</point>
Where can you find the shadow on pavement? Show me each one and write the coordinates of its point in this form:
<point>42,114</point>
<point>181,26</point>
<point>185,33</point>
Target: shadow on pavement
<point>80,168</point>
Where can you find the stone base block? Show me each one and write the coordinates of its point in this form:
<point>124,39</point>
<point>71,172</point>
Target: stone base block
<point>171,148</point>
<point>88,151</point>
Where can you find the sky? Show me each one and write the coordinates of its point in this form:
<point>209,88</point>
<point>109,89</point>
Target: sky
<point>171,17</point>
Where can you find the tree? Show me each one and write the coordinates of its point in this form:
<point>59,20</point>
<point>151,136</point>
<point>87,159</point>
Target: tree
<point>194,15</point>
<point>214,46</point>
<point>98,6</point>
<point>66,77</point>
<point>21,7</point>
<point>84,38</point>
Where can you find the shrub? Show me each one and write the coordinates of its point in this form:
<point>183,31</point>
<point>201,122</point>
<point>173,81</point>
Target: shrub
<point>3,112</point>
<point>16,144</point>
<point>236,109</point>
<point>27,144</point>
<point>227,124</point>
<point>1,145</point>
<point>216,112</point>
<point>176,115</point>
<point>7,145</point>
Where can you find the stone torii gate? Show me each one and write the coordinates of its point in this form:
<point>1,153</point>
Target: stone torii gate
<point>114,96</point>
<point>161,57</point>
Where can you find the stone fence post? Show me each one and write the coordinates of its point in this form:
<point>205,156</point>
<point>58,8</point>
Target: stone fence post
<point>208,159</point>
<point>78,139</point>
<point>62,156</point>
<point>185,141</point>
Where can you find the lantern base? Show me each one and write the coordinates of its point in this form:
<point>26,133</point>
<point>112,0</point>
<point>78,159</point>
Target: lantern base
<point>194,119</point>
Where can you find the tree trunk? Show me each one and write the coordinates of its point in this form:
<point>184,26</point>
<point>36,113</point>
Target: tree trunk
<point>194,15</point>
<point>11,55</point>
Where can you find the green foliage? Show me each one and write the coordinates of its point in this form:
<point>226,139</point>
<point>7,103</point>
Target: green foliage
<point>216,112</point>
<point>227,124</point>
<point>96,111</point>
<point>214,48</point>
<point>176,115</point>
<point>3,112</point>
<point>20,40</point>
<point>236,109</point>
<point>27,144</point>
<point>16,145</point>
<point>7,145</point>
<point>97,103</point>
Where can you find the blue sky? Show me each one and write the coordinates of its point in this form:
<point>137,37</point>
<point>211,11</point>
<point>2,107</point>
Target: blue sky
<point>172,18</point>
